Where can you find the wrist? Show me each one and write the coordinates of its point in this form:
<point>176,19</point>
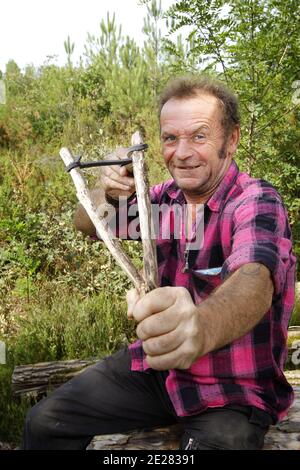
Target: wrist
<point>111,200</point>
<point>115,202</point>
<point>206,335</point>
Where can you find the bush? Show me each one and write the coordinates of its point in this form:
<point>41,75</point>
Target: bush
<point>71,327</point>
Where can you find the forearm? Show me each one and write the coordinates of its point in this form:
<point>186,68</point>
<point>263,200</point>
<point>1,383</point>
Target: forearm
<point>235,307</point>
<point>82,221</point>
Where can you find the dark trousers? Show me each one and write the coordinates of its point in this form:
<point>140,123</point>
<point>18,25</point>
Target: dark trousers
<point>109,398</point>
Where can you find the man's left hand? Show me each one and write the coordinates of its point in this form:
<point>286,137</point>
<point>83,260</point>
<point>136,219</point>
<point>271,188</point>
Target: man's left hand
<point>168,325</point>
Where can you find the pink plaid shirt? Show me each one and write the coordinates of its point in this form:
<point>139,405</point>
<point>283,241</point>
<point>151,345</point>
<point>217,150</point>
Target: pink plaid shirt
<point>245,221</point>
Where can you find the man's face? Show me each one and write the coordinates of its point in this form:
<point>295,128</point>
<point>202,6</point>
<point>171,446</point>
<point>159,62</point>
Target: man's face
<point>193,142</point>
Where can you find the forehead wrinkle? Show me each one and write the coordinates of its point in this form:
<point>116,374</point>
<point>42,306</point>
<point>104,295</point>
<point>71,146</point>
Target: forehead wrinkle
<point>178,116</point>
<point>203,127</point>
<point>204,101</point>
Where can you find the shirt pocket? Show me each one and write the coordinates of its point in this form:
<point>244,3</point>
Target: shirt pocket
<point>207,280</point>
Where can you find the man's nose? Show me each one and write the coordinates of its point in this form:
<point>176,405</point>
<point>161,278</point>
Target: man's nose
<point>183,148</point>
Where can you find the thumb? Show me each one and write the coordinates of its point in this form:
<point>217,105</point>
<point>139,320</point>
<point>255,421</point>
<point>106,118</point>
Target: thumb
<point>132,296</point>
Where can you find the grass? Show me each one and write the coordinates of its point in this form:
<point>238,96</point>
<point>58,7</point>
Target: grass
<point>12,411</point>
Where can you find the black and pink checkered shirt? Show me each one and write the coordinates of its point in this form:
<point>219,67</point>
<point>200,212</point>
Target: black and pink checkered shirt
<point>245,221</point>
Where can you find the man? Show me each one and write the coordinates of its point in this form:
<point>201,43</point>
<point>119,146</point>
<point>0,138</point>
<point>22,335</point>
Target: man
<point>211,345</point>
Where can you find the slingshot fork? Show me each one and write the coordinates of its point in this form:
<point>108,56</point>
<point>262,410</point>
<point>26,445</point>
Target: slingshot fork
<point>148,281</point>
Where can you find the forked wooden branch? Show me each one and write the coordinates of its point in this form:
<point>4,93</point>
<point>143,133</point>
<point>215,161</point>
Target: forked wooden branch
<point>142,283</point>
<point>102,228</point>
<point>145,215</point>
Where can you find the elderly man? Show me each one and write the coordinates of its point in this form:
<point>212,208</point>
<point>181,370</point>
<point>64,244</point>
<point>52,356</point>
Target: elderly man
<point>211,345</point>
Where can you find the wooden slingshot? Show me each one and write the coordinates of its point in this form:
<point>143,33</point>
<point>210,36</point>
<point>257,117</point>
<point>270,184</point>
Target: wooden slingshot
<point>148,280</point>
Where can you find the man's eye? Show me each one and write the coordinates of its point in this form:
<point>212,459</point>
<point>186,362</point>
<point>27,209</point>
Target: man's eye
<point>169,138</point>
<point>198,137</point>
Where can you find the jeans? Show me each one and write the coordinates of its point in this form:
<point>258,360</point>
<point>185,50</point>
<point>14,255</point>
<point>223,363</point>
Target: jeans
<point>109,398</point>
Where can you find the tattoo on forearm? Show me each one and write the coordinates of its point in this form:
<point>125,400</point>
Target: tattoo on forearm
<point>250,269</point>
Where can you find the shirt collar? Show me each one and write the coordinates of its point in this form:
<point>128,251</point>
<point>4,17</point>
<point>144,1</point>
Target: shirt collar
<point>174,192</point>
<point>217,200</point>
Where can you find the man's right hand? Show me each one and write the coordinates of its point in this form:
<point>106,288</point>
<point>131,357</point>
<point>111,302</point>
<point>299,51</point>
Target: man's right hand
<point>117,180</point>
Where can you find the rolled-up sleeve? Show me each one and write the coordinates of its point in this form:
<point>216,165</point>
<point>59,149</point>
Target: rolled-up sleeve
<point>261,234</point>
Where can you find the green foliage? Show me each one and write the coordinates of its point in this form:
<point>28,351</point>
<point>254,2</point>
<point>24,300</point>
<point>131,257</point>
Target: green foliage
<point>42,249</point>
<point>70,327</point>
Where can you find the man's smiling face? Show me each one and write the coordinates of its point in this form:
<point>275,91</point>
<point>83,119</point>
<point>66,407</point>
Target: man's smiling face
<point>194,144</point>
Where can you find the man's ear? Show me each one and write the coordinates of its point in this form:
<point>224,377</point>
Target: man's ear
<point>233,140</point>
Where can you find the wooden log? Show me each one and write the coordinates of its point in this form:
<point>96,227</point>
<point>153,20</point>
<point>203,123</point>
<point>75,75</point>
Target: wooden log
<point>145,216</point>
<point>294,332</point>
<point>293,377</point>
<point>102,228</point>
<point>37,379</point>
<point>286,434</point>
<point>163,438</point>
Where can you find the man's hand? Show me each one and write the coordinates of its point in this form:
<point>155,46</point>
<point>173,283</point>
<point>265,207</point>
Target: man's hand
<point>175,332</point>
<point>168,325</point>
<point>116,180</point>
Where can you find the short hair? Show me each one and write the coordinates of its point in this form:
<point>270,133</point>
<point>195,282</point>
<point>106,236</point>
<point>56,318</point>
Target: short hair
<point>192,85</point>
